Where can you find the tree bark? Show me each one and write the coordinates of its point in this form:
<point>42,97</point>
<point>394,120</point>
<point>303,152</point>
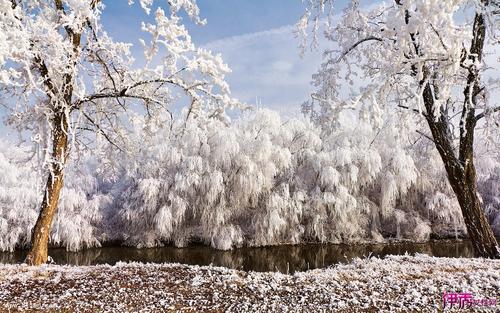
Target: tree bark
<point>478,228</point>
<point>38,253</point>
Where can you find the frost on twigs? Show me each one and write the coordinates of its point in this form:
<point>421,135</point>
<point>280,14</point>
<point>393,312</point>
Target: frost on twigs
<point>388,58</point>
<point>57,59</point>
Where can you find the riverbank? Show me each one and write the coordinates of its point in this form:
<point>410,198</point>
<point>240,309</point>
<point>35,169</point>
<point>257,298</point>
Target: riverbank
<point>397,283</point>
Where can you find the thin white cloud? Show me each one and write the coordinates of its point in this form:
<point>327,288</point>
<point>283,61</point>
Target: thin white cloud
<point>267,68</point>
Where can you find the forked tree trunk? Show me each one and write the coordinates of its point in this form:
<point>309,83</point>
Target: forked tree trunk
<point>38,253</point>
<point>460,169</point>
<point>462,178</point>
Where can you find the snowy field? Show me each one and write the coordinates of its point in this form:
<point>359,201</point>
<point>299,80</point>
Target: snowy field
<point>396,283</point>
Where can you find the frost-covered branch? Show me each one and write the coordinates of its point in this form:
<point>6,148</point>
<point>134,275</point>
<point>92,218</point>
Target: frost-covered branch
<point>487,112</point>
<point>351,48</point>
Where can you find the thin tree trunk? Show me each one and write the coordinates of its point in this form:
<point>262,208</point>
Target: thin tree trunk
<point>38,253</point>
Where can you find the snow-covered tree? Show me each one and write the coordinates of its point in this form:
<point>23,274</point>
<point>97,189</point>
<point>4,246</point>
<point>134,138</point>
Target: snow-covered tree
<point>70,86</point>
<point>427,59</point>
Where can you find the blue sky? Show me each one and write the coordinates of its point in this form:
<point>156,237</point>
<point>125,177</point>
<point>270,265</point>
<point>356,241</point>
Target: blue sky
<point>255,37</point>
<point>226,18</point>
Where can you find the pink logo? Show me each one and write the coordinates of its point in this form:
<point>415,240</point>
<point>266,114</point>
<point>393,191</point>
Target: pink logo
<point>465,300</point>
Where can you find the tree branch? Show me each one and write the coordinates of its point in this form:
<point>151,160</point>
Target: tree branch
<point>486,112</point>
<point>414,110</point>
<point>346,52</point>
<point>101,130</point>
<point>468,118</point>
<point>122,93</point>
<point>426,136</point>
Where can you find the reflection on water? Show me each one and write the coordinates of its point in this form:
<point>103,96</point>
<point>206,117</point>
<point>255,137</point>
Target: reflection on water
<point>279,258</point>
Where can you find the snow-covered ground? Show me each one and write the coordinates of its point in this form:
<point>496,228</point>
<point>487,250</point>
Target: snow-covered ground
<point>395,283</point>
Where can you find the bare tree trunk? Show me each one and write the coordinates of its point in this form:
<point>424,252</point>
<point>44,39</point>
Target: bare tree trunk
<point>38,252</point>
<point>478,228</point>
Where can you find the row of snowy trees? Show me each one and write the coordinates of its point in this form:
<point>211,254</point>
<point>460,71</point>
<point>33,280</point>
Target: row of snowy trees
<point>258,181</point>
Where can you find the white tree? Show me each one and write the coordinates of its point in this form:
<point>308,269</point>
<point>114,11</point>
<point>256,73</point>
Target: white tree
<point>69,85</point>
<point>424,58</point>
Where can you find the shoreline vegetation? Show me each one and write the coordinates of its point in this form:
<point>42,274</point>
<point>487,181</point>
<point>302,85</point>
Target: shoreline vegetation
<point>394,283</point>
<point>385,241</point>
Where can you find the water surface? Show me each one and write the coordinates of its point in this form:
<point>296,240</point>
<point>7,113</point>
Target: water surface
<point>286,259</point>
